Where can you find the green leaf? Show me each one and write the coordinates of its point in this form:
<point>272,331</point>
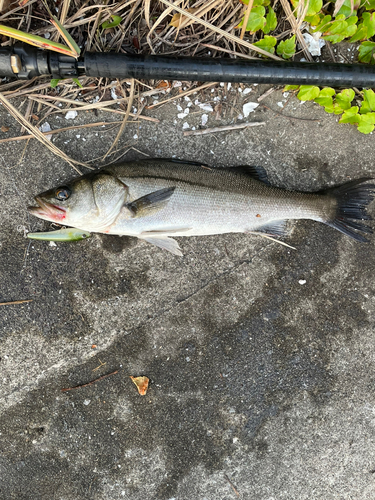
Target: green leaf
<point>38,41</point>
<point>346,8</point>
<point>327,92</point>
<point>338,25</point>
<point>308,93</point>
<point>116,20</point>
<point>329,109</point>
<point>75,80</point>
<point>290,87</point>
<point>334,38</point>
<point>369,99</point>
<point>314,6</point>
<point>366,52</point>
<point>344,98</point>
<point>365,108</point>
<point>360,34</point>
<point>267,43</point>
<point>256,20</point>
<point>371,116</point>
<point>369,23</point>
<point>55,82</point>
<point>287,48</point>
<point>271,21</point>
<point>68,39</point>
<point>325,101</point>
<point>340,29</point>
<point>324,23</point>
<point>313,20</point>
<point>368,4</point>
<point>257,2</point>
<point>265,3</point>
<point>337,109</point>
<point>325,98</point>
<point>366,123</point>
<point>350,115</point>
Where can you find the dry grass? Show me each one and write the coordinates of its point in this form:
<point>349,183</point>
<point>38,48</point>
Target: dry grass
<point>199,28</point>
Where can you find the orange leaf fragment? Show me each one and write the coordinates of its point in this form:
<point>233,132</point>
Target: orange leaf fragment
<point>141,383</point>
<point>178,18</point>
<point>4,129</point>
<point>164,84</point>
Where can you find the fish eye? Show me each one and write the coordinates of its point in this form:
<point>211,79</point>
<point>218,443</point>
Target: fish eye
<point>62,193</point>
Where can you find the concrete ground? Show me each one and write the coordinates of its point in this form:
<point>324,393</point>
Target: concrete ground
<point>261,358</point>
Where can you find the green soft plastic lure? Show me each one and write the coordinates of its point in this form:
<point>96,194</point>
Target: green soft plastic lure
<point>68,234</point>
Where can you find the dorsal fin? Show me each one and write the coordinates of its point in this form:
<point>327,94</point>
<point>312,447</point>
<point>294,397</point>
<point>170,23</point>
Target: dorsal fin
<point>177,160</point>
<point>257,173</point>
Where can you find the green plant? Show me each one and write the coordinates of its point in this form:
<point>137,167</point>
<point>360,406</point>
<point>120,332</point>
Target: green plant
<point>353,20</point>
<point>340,103</point>
<point>116,20</point>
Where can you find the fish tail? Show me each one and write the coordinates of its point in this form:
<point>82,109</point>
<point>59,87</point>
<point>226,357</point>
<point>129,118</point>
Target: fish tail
<point>352,200</point>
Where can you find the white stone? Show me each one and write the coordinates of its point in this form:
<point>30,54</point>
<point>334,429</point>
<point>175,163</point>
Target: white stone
<point>46,128</point>
<point>70,115</point>
<point>248,108</point>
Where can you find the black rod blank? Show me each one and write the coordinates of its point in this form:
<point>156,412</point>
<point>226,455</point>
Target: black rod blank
<point>24,61</point>
<point>228,70</point>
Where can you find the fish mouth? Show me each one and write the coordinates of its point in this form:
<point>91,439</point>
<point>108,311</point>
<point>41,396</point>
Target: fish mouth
<point>47,211</point>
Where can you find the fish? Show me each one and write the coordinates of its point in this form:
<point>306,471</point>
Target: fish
<point>158,200</point>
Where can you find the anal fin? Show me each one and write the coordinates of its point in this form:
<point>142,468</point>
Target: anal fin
<point>273,228</point>
<point>165,243</point>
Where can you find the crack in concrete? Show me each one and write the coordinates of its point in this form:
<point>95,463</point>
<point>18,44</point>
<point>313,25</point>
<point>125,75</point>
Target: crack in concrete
<point>228,272</point>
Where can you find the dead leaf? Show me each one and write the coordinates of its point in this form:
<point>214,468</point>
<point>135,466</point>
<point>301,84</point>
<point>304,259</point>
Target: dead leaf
<point>141,383</point>
<point>218,109</point>
<point>4,129</point>
<point>178,18</point>
<point>6,5</point>
<point>164,84</point>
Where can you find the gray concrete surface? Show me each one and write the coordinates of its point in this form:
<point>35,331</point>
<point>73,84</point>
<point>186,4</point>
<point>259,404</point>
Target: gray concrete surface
<point>261,387</point>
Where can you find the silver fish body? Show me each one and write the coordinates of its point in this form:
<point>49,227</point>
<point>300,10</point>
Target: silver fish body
<point>158,199</point>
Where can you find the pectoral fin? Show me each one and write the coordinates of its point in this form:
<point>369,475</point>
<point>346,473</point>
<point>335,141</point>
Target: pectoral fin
<point>150,203</point>
<point>165,243</point>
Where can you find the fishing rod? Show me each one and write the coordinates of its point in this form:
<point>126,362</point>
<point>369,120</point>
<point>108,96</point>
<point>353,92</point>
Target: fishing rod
<point>24,61</point>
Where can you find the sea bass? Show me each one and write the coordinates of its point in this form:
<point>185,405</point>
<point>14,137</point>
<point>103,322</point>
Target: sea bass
<point>157,200</point>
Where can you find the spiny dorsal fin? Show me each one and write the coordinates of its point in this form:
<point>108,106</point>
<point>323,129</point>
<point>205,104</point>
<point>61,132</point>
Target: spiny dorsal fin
<point>257,173</point>
<point>150,203</point>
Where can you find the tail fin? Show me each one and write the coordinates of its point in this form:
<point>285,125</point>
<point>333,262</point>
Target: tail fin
<point>352,200</point>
